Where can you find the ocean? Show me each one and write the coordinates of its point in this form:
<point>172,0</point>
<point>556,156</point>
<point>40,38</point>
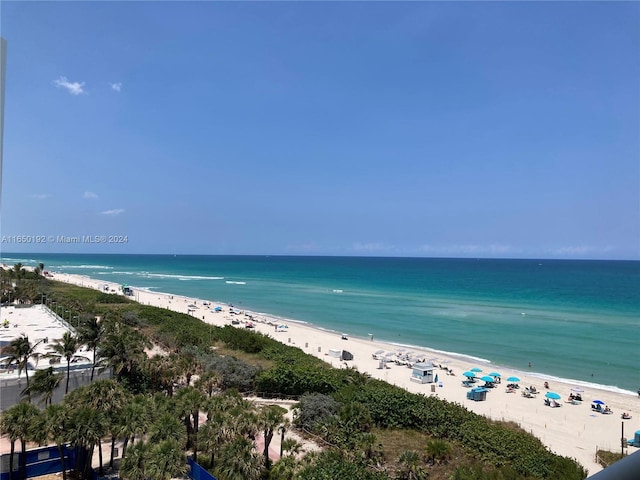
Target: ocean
<point>575,320</point>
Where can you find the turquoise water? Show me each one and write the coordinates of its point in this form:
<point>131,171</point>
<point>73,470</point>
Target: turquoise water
<point>571,319</point>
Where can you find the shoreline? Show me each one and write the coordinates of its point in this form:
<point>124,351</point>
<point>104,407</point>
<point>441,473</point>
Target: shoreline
<point>457,355</point>
<point>573,430</point>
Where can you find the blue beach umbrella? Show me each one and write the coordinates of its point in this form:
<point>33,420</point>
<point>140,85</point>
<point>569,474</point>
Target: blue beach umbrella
<point>487,378</point>
<point>494,374</point>
<point>469,374</point>
<point>476,369</point>
<point>598,402</point>
<point>552,395</point>
<point>513,379</point>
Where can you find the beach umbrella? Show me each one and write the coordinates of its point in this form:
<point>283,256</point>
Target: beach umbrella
<point>487,378</point>
<point>378,352</point>
<point>476,369</point>
<point>494,374</point>
<point>598,402</point>
<point>469,374</point>
<point>577,390</point>
<point>402,349</point>
<point>552,395</point>
<point>513,379</point>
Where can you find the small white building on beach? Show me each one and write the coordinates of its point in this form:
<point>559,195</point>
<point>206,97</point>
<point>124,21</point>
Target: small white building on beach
<point>422,373</point>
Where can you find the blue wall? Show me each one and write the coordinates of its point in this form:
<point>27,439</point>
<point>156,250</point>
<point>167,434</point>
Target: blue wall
<point>196,472</point>
<point>40,461</point>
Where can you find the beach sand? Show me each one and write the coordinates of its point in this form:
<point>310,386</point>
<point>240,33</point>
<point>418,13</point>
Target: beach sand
<point>573,431</point>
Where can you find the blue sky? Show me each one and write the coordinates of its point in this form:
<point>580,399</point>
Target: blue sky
<point>339,128</point>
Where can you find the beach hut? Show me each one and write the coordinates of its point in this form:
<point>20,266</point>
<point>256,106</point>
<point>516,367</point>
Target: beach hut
<point>422,373</point>
<point>478,394</point>
<point>335,353</point>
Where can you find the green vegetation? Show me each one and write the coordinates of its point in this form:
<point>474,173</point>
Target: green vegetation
<point>606,458</point>
<point>370,430</point>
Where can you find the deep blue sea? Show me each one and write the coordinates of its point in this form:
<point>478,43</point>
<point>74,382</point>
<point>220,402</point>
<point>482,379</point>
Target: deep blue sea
<point>576,320</point>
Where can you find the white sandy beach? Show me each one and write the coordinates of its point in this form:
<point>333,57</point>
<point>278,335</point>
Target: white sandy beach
<point>571,430</point>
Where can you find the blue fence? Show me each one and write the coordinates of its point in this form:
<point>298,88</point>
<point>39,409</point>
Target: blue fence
<point>196,472</point>
<point>40,461</point>
<point>44,461</point>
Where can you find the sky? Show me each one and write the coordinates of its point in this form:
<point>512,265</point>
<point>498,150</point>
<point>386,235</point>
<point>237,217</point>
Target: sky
<point>418,129</point>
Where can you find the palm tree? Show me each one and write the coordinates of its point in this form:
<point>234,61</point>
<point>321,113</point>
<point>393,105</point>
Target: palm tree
<point>285,469</point>
<point>20,351</point>
<point>87,427</point>
<point>208,382</point>
<point>282,429</point>
<point>162,372</point>
<point>167,460</point>
<point>19,424</point>
<point>238,461</point>
<point>190,402</point>
<point>410,468</point>
<point>368,441</point>
<point>124,349</point>
<point>67,348</point>
<point>133,420</point>
<point>108,397</point>
<point>134,462</point>
<point>438,450</point>
<point>167,426</point>
<point>53,425</point>
<point>90,334</point>
<point>269,419</point>
<point>18,270</point>
<point>9,427</point>
<point>211,437</point>
<point>44,383</point>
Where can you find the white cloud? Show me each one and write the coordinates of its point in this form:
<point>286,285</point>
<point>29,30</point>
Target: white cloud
<point>372,247</point>
<point>74,88</point>
<point>303,247</point>
<point>113,213</point>
<point>579,250</point>
<point>470,249</point>
<point>40,196</point>
<point>116,86</point>
<point>89,195</point>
